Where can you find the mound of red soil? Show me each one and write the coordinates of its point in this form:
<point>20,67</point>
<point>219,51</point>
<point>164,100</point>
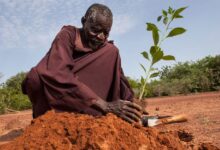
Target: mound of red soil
<point>74,131</point>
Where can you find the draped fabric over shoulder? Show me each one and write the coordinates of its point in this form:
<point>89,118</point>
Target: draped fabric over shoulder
<point>71,77</point>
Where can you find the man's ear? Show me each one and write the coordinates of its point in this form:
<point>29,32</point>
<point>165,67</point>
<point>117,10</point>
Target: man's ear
<point>83,20</point>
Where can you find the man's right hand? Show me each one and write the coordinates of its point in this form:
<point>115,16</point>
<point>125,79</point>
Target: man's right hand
<point>126,110</point>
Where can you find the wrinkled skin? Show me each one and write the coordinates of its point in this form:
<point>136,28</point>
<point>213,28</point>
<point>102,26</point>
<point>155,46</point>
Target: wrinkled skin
<point>129,111</point>
<point>126,110</point>
<point>96,31</point>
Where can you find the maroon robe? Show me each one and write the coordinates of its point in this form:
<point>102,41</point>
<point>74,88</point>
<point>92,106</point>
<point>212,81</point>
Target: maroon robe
<point>72,77</point>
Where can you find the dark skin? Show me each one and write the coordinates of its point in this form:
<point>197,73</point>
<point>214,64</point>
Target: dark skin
<point>129,111</point>
<point>96,32</point>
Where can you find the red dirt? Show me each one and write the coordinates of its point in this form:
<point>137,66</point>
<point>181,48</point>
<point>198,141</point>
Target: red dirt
<point>12,125</point>
<point>202,110</point>
<point>70,131</point>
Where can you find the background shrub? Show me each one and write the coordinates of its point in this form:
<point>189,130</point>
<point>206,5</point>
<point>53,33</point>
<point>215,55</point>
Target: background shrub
<point>11,96</point>
<point>184,78</point>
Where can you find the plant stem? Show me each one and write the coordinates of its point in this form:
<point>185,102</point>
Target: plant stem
<point>145,82</point>
<point>164,36</point>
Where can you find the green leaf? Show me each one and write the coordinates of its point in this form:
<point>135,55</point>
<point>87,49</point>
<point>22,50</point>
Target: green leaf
<point>143,67</point>
<point>176,31</point>
<point>151,27</point>
<point>145,54</point>
<point>153,49</point>
<point>158,55</point>
<point>153,69</point>
<point>153,75</point>
<point>170,10</point>
<point>164,12</point>
<point>155,36</point>
<point>178,11</point>
<point>165,20</point>
<point>168,57</point>
<point>159,18</point>
<point>142,80</point>
<point>179,16</point>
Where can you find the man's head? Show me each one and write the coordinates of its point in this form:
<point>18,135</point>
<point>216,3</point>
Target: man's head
<point>97,24</point>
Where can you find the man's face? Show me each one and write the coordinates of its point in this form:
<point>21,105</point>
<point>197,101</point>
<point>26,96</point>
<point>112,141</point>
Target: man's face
<point>97,30</point>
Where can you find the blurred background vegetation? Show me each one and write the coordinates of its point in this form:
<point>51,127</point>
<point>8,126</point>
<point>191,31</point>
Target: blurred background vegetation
<point>11,96</point>
<point>182,78</point>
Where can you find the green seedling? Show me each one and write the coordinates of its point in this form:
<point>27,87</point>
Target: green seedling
<point>156,53</point>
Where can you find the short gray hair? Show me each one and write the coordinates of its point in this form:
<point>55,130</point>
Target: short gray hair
<point>95,9</point>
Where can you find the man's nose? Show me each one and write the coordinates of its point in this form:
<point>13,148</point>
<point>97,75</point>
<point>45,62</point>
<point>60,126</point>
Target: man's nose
<point>101,36</point>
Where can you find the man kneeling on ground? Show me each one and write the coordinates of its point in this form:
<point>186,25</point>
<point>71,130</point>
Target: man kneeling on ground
<point>82,72</point>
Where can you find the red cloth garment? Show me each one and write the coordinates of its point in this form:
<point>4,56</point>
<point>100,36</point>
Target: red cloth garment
<point>71,77</point>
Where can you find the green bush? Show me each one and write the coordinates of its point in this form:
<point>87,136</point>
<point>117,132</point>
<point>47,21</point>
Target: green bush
<point>184,78</point>
<point>11,96</point>
<point>135,85</point>
<point>2,108</point>
<point>19,102</point>
<point>173,87</point>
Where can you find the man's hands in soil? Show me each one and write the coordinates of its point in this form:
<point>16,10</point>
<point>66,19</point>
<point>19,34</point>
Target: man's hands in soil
<point>126,110</point>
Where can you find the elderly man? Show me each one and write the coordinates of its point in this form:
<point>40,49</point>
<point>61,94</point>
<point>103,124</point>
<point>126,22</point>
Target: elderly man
<point>82,72</point>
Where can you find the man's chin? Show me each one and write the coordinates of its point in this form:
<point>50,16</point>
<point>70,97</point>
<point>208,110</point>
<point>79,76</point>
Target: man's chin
<point>95,46</point>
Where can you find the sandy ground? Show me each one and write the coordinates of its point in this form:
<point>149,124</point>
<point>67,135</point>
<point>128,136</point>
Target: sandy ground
<point>202,110</point>
<point>12,125</point>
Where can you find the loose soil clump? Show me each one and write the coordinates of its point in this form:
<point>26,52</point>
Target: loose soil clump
<point>69,131</point>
